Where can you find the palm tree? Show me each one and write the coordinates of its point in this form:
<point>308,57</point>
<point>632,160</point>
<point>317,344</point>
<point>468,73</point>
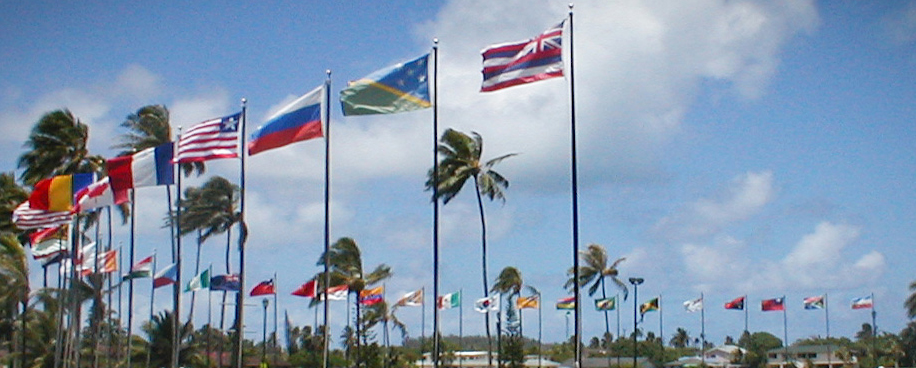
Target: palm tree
<point>160,332</point>
<point>380,313</point>
<point>595,270</point>
<point>57,146</point>
<point>910,303</point>
<point>149,127</point>
<point>509,283</point>
<point>346,268</point>
<point>681,338</point>
<point>210,210</point>
<point>461,160</point>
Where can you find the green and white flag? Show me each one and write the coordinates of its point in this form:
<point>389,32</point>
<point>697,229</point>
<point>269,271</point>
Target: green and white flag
<point>397,88</point>
<point>449,301</point>
<point>201,281</point>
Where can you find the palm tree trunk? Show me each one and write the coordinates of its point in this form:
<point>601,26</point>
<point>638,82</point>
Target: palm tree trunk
<point>486,290</point>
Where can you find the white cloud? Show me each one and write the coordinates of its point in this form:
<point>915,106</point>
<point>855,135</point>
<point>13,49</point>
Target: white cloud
<point>746,195</point>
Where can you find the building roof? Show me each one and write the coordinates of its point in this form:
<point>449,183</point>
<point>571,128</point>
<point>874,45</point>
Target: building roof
<point>793,349</point>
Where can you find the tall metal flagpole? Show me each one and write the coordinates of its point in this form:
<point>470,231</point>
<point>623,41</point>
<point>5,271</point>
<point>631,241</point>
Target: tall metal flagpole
<point>176,288</point>
<point>702,331</point>
<point>275,337</point>
<point>152,300</point>
<point>785,332</point>
<point>827,326</point>
<point>243,235</point>
<point>575,193</point>
<point>130,282</point>
<point>327,216</point>
<point>435,352</point>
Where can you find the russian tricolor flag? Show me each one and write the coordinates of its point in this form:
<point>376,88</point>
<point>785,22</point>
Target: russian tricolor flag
<point>149,167</point>
<point>298,121</point>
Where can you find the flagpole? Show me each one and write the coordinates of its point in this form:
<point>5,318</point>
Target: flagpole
<point>422,318</point>
<point>874,328</point>
<point>243,234</point>
<point>661,311</point>
<point>275,337</point>
<point>744,304</point>
<point>702,331</point>
<point>617,307</point>
<point>785,332</point>
<point>130,281</point>
<point>176,288</point>
<point>435,352</point>
<point>327,217</point>
<point>152,299</point>
<point>539,329</point>
<point>460,324</point>
<point>827,325</point>
<point>209,314</point>
<point>575,193</point>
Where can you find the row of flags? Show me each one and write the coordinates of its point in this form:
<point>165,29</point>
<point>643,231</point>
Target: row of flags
<point>696,305</point>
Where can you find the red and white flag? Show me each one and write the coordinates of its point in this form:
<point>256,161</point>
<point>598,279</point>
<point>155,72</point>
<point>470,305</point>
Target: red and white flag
<point>98,194</point>
<point>514,63</point>
<point>27,218</point>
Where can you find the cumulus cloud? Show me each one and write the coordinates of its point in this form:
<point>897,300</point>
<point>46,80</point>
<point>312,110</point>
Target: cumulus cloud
<point>745,196</point>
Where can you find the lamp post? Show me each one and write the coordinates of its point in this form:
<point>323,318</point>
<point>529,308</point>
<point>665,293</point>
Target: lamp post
<point>264,302</point>
<point>635,281</point>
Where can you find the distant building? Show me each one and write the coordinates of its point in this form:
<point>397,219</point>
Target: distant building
<point>809,356</point>
<point>601,362</point>
<point>718,357</point>
<point>478,359</point>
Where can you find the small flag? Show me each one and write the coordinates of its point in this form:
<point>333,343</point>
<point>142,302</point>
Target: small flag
<point>109,262</point>
<point>531,302</point>
<point>511,64</point>
<point>398,88</point>
<point>25,217</point>
<point>199,282</point>
<point>411,299</point>
<point>308,289</point>
<point>606,304</point>
<point>48,242</point>
<point>144,268</point>
<point>694,305</point>
<point>263,288</point>
<point>298,121</point>
<point>490,303</point>
<point>98,194</point>
<point>212,139</point>
<point>775,304</point>
<point>566,303</point>
<point>449,301</point>
<point>338,292</point>
<point>737,304</point>
<point>226,282</point>
<point>863,302</point>
<point>56,194</point>
<point>814,302</point>
<point>149,167</point>
<point>166,276</point>
<point>372,296</point>
<point>649,306</point>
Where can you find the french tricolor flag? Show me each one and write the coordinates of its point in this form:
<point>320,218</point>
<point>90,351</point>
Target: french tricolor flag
<point>149,167</point>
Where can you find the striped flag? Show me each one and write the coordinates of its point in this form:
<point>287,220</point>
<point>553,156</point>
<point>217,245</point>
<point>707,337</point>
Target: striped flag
<point>27,218</point>
<point>212,139</point>
<point>510,64</point>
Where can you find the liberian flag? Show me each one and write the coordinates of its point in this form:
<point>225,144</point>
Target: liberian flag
<point>510,64</point>
<point>863,302</point>
<point>372,296</point>
<point>149,167</point>
<point>298,121</point>
<point>98,194</point>
<point>56,194</point>
<point>212,139</point>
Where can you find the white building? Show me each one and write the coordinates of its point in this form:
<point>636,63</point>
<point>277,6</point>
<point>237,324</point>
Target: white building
<point>718,357</point>
<point>809,356</point>
<point>478,359</point>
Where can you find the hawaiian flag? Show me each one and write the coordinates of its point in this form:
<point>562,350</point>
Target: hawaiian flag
<point>371,296</point>
<point>775,304</point>
<point>263,288</point>
<point>511,64</point>
<point>815,302</point>
<point>737,304</point>
<point>212,139</point>
<point>863,302</point>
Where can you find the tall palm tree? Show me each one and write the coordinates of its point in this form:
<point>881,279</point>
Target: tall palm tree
<point>149,127</point>
<point>209,210</point>
<point>346,268</point>
<point>381,313</point>
<point>910,303</point>
<point>681,338</point>
<point>14,281</point>
<point>508,283</point>
<point>595,270</point>
<point>57,145</point>
<point>461,160</point>
<point>160,332</point>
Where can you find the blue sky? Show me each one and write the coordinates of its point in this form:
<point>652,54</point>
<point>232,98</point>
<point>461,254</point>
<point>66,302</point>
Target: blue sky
<point>725,147</point>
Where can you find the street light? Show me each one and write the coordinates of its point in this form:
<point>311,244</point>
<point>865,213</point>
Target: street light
<point>264,302</point>
<point>635,281</point>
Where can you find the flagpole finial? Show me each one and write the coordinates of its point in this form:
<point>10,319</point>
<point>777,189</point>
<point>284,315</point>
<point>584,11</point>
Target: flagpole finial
<point>328,72</point>
<point>244,101</point>
<point>570,6</point>
<point>436,41</point>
